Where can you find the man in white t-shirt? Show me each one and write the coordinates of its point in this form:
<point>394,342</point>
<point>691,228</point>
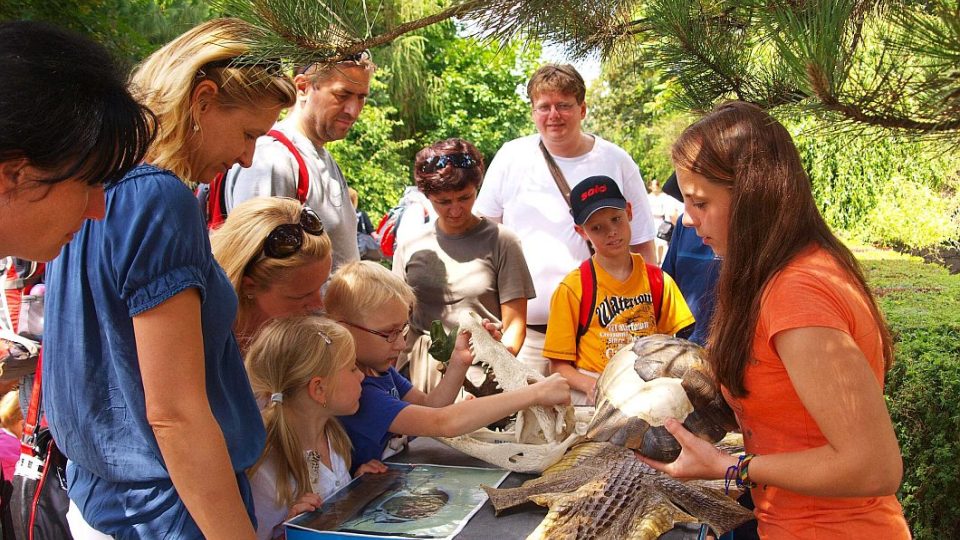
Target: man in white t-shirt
<point>329,100</point>
<point>520,192</point>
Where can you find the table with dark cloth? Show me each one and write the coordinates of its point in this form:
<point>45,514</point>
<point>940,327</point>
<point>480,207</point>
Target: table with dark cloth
<point>512,524</point>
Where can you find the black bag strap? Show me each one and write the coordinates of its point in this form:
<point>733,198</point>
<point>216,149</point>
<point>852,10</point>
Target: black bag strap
<point>557,174</point>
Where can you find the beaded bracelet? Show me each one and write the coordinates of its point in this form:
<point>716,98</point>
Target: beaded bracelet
<point>743,474</point>
<point>738,474</point>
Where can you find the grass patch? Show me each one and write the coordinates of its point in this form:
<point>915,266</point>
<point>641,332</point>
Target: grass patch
<point>922,305</point>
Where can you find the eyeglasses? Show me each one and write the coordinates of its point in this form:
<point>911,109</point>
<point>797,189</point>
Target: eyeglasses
<point>435,163</point>
<point>391,337</point>
<point>286,240</point>
<point>356,58</point>
<point>562,108</point>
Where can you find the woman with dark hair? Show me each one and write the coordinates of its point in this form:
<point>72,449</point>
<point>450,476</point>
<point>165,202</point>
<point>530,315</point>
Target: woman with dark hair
<point>464,262</point>
<point>68,125</point>
<point>797,342</point>
<point>152,405</point>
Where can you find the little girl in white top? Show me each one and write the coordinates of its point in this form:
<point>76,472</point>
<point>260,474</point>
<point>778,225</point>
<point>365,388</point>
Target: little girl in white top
<point>304,369</point>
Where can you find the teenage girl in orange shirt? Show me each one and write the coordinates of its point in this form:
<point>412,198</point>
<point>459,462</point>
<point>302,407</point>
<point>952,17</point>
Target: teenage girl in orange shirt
<point>797,343</point>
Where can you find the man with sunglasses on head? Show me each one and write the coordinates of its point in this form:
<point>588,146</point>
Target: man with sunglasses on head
<point>527,188</point>
<point>329,100</point>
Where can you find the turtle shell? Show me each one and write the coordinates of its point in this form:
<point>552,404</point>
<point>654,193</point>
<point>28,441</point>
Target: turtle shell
<point>656,378</point>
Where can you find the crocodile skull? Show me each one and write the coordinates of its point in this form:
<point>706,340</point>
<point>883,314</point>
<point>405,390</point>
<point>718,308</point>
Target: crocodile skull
<point>538,437</point>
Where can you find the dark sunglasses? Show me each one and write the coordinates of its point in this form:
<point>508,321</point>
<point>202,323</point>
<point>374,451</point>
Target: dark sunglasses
<point>356,58</point>
<point>435,163</point>
<point>287,239</point>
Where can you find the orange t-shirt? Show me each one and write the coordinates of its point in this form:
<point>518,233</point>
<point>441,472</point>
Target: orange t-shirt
<point>813,290</point>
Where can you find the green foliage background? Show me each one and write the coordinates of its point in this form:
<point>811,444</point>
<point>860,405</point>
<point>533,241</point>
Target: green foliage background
<point>922,305</point>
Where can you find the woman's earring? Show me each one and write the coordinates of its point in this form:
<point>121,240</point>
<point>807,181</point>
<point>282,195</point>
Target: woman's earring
<point>249,296</point>
<point>196,127</point>
<point>323,404</point>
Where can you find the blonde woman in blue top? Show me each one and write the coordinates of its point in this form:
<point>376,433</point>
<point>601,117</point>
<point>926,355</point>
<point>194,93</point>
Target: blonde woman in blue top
<point>151,404</point>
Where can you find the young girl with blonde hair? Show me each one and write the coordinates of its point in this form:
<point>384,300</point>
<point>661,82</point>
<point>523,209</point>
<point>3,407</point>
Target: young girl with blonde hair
<point>304,369</point>
<point>277,254</point>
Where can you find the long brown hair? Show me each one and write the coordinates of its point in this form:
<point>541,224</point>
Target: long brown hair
<point>773,217</point>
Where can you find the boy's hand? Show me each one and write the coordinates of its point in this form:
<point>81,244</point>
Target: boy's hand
<point>554,390</point>
<point>374,466</point>
<point>306,503</point>
<point>462,355</point>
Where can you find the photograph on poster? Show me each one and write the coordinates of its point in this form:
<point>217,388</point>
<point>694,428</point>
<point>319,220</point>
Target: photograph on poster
<point>408,501</point>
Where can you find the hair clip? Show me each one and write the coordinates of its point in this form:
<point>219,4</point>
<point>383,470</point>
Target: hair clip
<point>276,397</point>
<point>325,337</point>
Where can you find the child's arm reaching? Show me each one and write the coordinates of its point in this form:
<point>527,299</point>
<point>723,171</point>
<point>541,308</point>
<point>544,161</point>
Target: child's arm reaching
<point>449,386</point>
<point>578,381</point>
<point>467,416</point>
<point>374,466</point>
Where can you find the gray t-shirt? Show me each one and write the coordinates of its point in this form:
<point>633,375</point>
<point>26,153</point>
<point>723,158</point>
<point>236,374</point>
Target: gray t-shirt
<point>478,270</point>
<point>275,173</point>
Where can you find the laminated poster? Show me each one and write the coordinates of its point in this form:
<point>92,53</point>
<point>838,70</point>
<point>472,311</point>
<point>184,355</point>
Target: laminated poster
<point>407,501</point>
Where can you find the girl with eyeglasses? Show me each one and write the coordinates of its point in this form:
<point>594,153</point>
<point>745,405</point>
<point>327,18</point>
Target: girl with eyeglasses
<point>152,406</point>
<point>277,255</point>
<point>461,262</point>
<point>305,370</point>
<point>375,306</point>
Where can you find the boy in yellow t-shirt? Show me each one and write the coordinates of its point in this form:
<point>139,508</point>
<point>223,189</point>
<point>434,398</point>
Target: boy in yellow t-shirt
<point>622,308</point>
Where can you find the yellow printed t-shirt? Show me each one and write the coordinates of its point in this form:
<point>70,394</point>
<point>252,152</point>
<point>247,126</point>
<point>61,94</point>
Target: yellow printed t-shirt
<point>624,312</point>
<point>812,290</point>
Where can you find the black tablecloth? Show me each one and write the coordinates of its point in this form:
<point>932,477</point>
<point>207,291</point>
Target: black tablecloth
<point>512,524</point>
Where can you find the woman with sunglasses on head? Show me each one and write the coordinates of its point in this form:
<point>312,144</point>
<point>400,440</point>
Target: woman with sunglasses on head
<point>153,407</point>
<point>463,262</point>
<point>277,256</point>
<point>68,125</point>
<point>797,341</point>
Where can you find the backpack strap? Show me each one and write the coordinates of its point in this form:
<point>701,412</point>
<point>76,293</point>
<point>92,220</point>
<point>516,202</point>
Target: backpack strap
<point>655,277</point>
<point>216,204</point>
<point>32,423</point>
<point>588,297</point>
<point>216,199</point>
<point>303,186</point>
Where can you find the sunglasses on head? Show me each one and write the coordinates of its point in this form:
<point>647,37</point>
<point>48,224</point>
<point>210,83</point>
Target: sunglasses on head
<point>287,239</point>
<point>435,163</point>
<point>356,58</point>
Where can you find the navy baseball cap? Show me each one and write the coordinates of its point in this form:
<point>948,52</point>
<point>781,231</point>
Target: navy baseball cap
<point>592,194</point>
<point>672,188</point>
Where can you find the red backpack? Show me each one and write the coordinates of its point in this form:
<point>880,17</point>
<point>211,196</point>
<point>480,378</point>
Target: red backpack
<point>588,293</point>
<point>216,207</point>
<point>386,231</point>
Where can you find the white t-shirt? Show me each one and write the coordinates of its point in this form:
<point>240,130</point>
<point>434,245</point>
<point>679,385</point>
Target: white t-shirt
<point>270,513</point>
<point>275,173</point>
<point>519,190</point>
